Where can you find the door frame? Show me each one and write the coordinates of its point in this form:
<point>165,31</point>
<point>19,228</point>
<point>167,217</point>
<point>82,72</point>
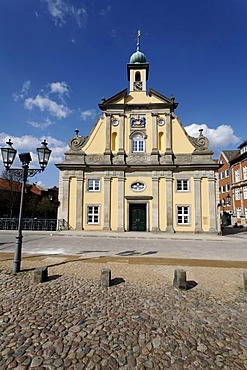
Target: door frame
<point>147,212</point>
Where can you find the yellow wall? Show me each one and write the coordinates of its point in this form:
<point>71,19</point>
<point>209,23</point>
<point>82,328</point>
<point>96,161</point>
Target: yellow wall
<point>187,199</point>
<point>180,142</point>
<point>148,191</point>
<point>94,198</point>
<point>162,131</point>
<point>96,142</point>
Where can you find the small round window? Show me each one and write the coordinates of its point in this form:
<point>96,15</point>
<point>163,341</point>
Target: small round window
<point>138,186</point>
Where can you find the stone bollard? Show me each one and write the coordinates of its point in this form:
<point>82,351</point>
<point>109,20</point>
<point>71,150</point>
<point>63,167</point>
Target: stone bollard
<point>179,280</point>
<point>105,279</point>
<point>245,281</point>
<point>40,274</point>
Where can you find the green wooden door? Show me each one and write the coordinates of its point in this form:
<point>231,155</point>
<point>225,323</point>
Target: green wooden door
<point>137,217</point>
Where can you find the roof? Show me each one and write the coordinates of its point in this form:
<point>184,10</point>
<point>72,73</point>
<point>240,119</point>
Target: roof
<point>229,153</point>
<point>244,143</point>
<point>16,187</point>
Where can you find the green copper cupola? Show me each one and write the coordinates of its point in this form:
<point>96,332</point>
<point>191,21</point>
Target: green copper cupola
<point>138,56</point>
<point>138,68</point>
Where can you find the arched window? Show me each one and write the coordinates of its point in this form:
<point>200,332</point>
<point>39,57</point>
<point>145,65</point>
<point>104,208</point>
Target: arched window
<point>138,144</point>
<point>137,76</point>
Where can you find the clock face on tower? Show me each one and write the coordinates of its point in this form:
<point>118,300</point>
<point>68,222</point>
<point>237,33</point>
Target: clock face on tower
<point>137,85</point>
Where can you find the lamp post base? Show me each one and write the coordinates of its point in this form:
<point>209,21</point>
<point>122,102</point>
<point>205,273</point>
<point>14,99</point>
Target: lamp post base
<point>17,257</point>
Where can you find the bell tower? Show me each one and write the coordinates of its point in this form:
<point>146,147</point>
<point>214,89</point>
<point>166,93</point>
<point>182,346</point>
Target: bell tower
<point>138,69</point>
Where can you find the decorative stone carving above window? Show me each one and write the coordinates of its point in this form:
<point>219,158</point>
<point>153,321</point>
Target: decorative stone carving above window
<point>137,121</point>
<point>138,186</point>
<point>77,141</point>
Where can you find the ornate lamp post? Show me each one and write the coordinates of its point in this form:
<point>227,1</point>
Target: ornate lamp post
<point>8,155</point>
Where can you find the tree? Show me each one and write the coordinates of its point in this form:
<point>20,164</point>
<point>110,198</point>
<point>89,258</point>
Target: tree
<point>11,192</point>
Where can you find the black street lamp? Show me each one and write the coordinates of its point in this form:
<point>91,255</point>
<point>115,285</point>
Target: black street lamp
<point>8,155</point>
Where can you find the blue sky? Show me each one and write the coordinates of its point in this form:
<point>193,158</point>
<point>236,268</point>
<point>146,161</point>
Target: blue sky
<point>58,58</point>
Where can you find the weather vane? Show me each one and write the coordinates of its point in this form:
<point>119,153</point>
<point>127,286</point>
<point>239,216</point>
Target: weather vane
<point>138,39</point>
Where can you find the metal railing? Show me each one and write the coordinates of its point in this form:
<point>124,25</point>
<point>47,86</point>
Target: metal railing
<point>34,224</point>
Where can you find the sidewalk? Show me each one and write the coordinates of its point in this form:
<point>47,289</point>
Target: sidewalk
<point>88,244</point>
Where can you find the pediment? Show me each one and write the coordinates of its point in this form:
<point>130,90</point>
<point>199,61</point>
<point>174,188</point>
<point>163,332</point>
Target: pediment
<point>115,99</point>
<point>162,98</point>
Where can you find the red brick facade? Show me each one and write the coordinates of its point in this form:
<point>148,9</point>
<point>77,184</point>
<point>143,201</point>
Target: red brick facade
<point>239,185</point>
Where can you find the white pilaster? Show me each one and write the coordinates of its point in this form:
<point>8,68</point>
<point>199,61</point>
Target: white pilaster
<point>212,205</point>
<point>120,221</point>
<point>155,204</point>
<point>107,206</point>
<point>169,203</point>
<point>79,202</point>
<point>198,204</point>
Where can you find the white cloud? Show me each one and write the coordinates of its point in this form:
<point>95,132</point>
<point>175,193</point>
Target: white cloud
<point>29,143</point>
<point>60,88</point>
<point>60,10</point>
<point>90,113</point>
<point>219,138</point>
<point>42,125</point>
<point>23,92</point>
<point>80,16</point>
<point>46,104</point>
<point>105,11</point>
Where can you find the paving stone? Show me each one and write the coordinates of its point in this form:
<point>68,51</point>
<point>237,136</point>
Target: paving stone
<point>71,323</point>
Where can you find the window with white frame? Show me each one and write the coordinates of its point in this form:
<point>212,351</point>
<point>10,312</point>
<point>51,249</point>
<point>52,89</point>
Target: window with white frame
<point>246,213</point>
<point>245,172</point>
<point>92,215</point>
<point>93,185</point>
<point>183,215</point>
<point>245,192</point>
<point>223,189</point>
<point>227,187</point>
<point>223,174</point>
<point>237,175</point>
<point>237,194</point>
<point>239,211</point>
<point>243,150</point>
<point>182,185</point>
<point>138,144</point>
<point>227,173</point>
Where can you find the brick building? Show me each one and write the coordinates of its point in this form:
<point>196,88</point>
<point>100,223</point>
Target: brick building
<point>225,181</point>
<point>238,164</point>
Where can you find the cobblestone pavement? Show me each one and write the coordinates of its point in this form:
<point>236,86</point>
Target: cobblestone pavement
<point>71,323</point>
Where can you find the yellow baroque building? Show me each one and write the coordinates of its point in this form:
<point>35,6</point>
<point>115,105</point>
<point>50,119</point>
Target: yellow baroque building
<point>138,170</point>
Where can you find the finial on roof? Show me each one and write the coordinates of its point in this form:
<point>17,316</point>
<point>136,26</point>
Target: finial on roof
<point>76,132</point>
<point>201,131</point>
<point>138,56</point>
<point>138,40</point>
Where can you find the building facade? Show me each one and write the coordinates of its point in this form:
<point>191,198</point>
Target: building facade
<point>238,165</point>
<point>138,170</point>
<point>225,182</point>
